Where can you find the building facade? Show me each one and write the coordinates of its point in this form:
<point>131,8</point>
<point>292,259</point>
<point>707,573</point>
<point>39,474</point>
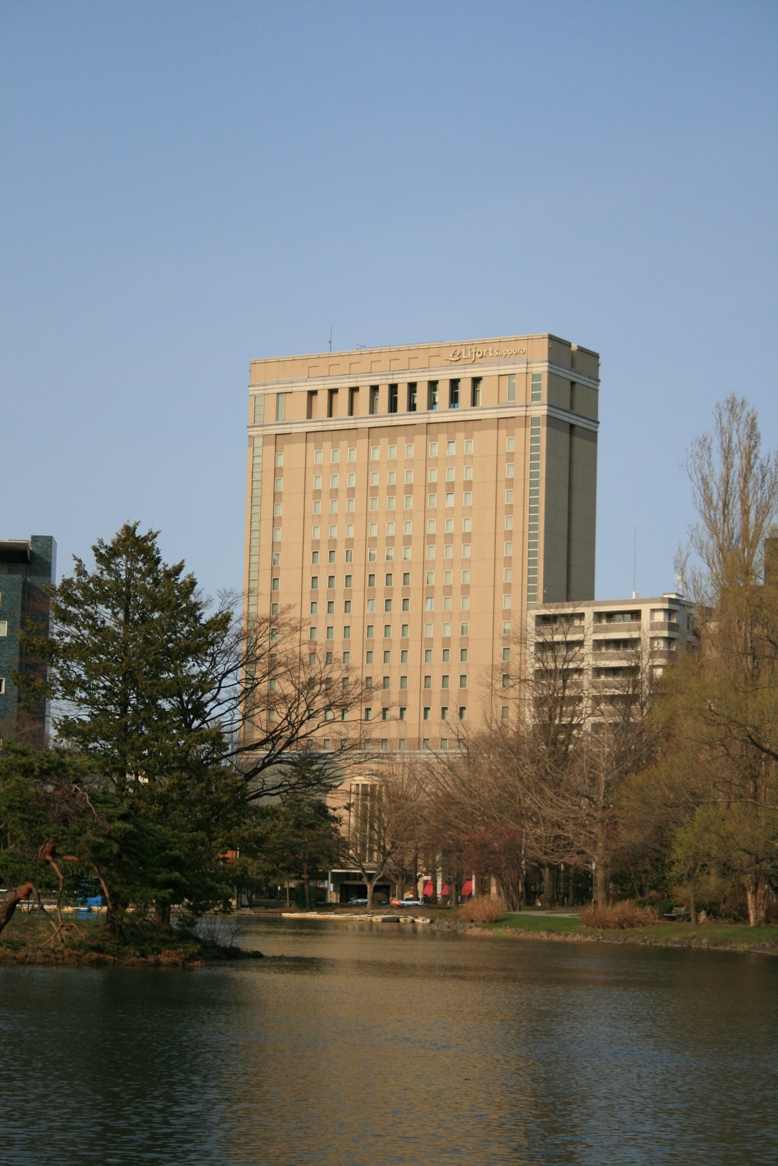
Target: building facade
<point>611,645</point>
<point>409,503</point>
<point>26,566</point>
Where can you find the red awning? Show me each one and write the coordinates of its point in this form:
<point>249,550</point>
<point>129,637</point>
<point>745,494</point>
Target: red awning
<point>467,889</point>
<point>429,888</point>
<point>444,889</point>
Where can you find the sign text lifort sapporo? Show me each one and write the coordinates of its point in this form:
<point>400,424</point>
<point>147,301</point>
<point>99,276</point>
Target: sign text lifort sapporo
<point>488,353</point>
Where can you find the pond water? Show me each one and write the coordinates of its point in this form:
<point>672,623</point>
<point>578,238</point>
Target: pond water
<point>357,1044</point>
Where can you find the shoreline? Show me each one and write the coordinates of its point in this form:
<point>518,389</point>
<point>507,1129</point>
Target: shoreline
<point>636,938</point>
<point>148,948</point>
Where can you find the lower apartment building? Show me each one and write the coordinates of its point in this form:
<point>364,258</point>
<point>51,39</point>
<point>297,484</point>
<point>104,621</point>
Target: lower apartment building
<point>610,646</point>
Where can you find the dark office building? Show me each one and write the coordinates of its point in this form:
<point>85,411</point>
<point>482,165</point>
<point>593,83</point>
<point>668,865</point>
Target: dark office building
<point>26,566</point>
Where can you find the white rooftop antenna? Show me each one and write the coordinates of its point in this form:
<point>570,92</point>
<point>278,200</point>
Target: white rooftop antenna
<point>635,565</point>
<point>330,337</point>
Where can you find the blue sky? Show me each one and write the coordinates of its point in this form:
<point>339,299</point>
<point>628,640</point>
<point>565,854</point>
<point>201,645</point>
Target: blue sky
<point>186,186</point>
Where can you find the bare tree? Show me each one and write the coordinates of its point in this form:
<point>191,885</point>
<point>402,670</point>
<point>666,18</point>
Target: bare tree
<point>735,494</point>
<point>274,695</point>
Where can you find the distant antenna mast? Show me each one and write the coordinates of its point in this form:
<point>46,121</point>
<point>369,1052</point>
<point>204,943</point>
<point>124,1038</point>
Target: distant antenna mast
<point>635,565</point>
<point>330,337</point>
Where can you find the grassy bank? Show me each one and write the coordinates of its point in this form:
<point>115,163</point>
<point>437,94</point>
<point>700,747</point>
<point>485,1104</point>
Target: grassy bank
<point>721,936</point>
<point>28,940</point>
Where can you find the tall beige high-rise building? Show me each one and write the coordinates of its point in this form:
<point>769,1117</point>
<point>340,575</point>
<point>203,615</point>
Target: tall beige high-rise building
<point>410,502</point>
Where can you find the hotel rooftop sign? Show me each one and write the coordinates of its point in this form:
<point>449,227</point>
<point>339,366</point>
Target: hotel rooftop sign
<point>472,353</point>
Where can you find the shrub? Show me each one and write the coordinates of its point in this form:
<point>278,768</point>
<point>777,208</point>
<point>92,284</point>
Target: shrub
<point>619,917</point>
<point>484,909</point>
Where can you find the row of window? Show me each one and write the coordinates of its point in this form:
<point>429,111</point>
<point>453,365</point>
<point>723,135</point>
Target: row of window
<point>391,478</point>
<point>375,454</point>
<point>332,507</point>
<point>329,657</point>
<point>464,630</point>
<point>432,395</point>
<point>429,605</point>
<point>373,745</point>
<point>426,713</point>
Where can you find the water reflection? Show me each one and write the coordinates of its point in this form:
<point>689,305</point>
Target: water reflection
<point>355,1045</point>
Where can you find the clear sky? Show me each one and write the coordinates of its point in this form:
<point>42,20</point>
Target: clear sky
<point>187,185</point>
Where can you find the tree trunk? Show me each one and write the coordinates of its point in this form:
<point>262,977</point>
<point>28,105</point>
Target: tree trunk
<point>547,895</point>
<point>756,894</point>
<point>601,884</point>
<point>307,885</point>
<point>10,902</point>
<point>692,905</point>
<point>161,917</point>
<point>112,922</point>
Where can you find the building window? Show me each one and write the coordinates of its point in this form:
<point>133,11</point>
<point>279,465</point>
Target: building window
<point>280,406</point>
<point>453,394</point>
<point>312,633</point>
<point>464,629</point>
<point>536,389</point>
<point>428,682</point>
<point>276,534</point>
<point>279,459</point>
<point>512,387</point>
<point>392,453</point>
<point>373,399</point>
<point>404,633</point>
<point>353,398</point>
<point>425,744</point>
<point>393,398</point>
<point>347,632</point>
<point>425,716</point>
<point>432,395</point>
<point>412,397</point>
<point>408,501</point>
<point>475,391</point>
<point>509,470</point>
<point>4,622</point>
<point>466,577</point>
<point>444,682</point>
<point>406,553</point>
<point>403,682</point>
<point>463,681</point>
<point>368,714</point>
<point>465,550</point>
<point>449,499</point>
<point>387,631</point>
<point>510,444</point>
<point>370,631</point>
<point>504,712</point>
